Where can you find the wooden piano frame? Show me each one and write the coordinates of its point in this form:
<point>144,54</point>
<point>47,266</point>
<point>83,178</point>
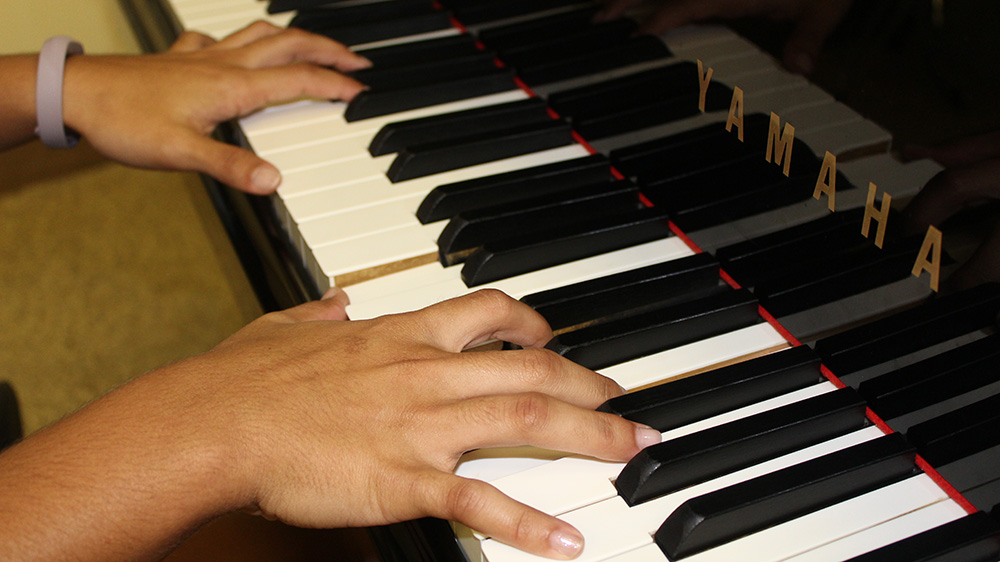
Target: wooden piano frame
<point>279,280</point>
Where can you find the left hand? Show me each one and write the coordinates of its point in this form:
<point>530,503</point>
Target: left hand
<point>157,111</point>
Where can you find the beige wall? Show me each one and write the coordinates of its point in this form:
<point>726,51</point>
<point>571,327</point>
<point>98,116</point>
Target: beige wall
<point>99,24</point>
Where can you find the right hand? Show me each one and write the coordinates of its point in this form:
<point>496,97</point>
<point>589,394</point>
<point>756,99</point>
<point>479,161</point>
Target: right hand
<point>362,423</point>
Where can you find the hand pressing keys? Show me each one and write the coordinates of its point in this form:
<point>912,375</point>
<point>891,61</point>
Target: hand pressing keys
<point>318,421</point>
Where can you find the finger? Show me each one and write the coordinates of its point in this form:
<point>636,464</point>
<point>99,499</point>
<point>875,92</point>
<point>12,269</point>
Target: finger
<point>680,12</point>
<point>482,507</point>
<point>233,166</point>
<point>967,151</point>
<point>811,32</point>
<point>191,41</point>
<point>458,323</point>
<point>543,421</point>
<point>254,32</point>
<point>951,191</point>
<point>295,45</point>
<point>614,9</point>
<point>331,307</point>
<point>529,370</point>
<point>283,83</point>
<point>982,267</point>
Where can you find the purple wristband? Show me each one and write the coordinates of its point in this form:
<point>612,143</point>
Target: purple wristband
<point>49,92</point>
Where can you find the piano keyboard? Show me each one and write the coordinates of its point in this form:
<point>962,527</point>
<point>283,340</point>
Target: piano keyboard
<point>354,227</point>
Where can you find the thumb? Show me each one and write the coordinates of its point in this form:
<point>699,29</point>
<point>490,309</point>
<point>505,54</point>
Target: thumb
<point>333,306</point>
<point>811,32</point>
<point>233,166</point>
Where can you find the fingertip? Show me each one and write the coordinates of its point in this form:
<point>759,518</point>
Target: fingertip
<point>566,542</point>
<point>800,62</point>
<point>264,179</point>
<point>646,436</point>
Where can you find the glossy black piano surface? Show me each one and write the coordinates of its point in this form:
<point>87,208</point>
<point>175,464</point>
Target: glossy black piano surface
<point>926,72</point>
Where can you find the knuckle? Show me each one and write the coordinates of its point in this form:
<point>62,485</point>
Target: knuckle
<point>530,412</point>
<point>494,301</point>
<point>463,499</point>
<point>539,366</point>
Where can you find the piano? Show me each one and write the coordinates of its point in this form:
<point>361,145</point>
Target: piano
<point>580,171</point>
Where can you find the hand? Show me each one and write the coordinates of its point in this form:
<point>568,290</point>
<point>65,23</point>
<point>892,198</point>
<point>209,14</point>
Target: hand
<point>971,178</point>
<point>156,111</point>
<point>318,421</point>
<point>814,20</point>
<point>362,423</point>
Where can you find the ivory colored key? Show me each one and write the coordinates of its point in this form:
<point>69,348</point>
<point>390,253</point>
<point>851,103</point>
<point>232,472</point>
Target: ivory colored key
<point>611,527</point>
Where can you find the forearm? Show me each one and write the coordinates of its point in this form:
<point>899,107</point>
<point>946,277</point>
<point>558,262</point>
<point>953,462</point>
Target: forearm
<point>17,99</point>
<point>127,478</point>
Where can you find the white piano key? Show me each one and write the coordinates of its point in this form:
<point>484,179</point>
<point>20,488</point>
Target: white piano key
<point>611,527</point>
<point>832,523</point>
<point>424,286</point>
<point>275,130</point>
<point>575,481</point>
<point>721,349</point>
<point>893,530</point>
<point>852,545</point>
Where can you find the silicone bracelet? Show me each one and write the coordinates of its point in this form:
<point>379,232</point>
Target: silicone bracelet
<point>49,92</point>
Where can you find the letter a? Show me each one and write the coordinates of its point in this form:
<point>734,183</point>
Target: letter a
<point>929,257</point>
<point>736,113</point>
<point>827,181</point>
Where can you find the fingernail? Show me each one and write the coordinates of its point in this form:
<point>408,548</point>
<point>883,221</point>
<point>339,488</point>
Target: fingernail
<point>566,543</point>
<point>646,436</point>
<point>334,292</point>
<point>265,179</point>
<point>365,62</point>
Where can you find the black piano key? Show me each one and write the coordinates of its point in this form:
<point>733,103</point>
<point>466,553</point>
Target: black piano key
<point>690,152</point>
<point>669,406</point>
<point>499,260</point>
<point>646,333</point>
<point>351,12</point>
<point>985,497</point>
<point>838,277</point>
<point>957,434</point>
<point>625,293</point>
<point>537,30</point>
<point>361,33</point>
<point>419,52</point>
<point>372,103</point>
<point>397,136</point>
<point>932,380</point>
<point>448,200</point>
<point>701,201</point>
<point>692,459</point>
<point>773,255</point>
<point>569,45</point>
<point>469,230</point>
<point>479,13</point>
<point>729,513</point>
<point>441,156</point>
<point>975,476</point>
<point>648,85</point>
<point>644,115</point>
<point>938,320</point>
<point>638,49</point>
<point>973,538</point>
<point>427,73</point>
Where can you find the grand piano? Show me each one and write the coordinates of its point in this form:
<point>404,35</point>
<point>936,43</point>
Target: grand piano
<point>819,398</point>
